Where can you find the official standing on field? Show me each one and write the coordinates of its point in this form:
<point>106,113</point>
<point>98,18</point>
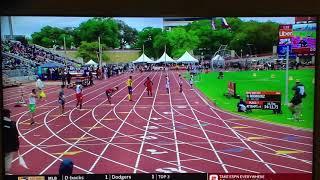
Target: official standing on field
<point>10,139</point>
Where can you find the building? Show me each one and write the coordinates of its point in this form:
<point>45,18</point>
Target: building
<point>170,22</point>
<point>9,37</point>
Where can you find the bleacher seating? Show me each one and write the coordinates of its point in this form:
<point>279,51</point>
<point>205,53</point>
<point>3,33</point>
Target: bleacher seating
<point>37,54</point>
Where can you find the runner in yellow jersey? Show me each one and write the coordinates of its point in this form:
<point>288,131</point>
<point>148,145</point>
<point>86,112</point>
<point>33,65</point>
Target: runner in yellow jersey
<point>129,84</point>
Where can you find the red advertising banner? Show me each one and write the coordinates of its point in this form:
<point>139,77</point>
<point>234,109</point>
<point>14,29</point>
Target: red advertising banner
<point>285,33</point>
<point>232,88</point>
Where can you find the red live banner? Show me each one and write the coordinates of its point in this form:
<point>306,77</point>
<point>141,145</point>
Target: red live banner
<point>280,176</point>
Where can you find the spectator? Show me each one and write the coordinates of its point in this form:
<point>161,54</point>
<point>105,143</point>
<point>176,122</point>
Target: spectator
<point>220,75</point>
<point>40,86</point>
<point>66,167</point>
<point>63,78</point>
<point>10,139</point>
<point>69,78</point>
<point>61,99</point>
<point>103,73</point>
<point>242,106</point>
<point>91,78</point>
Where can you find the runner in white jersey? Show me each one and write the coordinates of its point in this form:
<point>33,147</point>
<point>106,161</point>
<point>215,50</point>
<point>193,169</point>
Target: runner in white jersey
<point>191,81</point>
<point>167,84</point>
<point>79,95</point>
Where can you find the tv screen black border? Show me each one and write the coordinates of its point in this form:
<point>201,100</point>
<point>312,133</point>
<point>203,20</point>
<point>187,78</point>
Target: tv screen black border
<point>177,8</point>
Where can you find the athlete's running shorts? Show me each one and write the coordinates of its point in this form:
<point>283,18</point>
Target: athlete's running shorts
<point>32,108</point>
<point>61,101</point>
<point>130,89</point>
<point>79,97</point>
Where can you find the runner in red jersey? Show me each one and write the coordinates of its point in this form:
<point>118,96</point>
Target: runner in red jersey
<point>149,85</point>
<point>109,93</point>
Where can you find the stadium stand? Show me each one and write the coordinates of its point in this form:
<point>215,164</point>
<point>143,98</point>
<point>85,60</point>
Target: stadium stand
<point>19,61</point>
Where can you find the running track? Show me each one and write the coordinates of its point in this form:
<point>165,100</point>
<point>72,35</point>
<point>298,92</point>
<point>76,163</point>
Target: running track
<point>175,132</point>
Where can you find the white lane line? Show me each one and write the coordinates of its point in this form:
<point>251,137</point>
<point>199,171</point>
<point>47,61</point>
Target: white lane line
<point>90,90</point>
<point>228,143</point>
<point>204,133</point>
<point>174,129</point>
<point>185,160</point>
<point>253,127</point>
<point>256,120</point>
<point>22,135</point>
<point>36,147</point>
<point>285,156</point>
<point>232,130</point>
<point>74,144</point>
<point>211,132</point>
<point>18,95</point>
<point>106,147</point>
<point>161,147</point>
<point>145,133</point>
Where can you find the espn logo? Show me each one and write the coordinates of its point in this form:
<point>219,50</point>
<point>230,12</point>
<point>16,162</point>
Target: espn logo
<point>213,177</point>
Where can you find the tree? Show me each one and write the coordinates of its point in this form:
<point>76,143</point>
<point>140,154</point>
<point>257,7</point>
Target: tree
<point>89,50</point>
<point>22,39</point>
<point>181,41</point>
<point>49,36</point>
<point>203,30</point>
<point>261,35</point>
<point>146,37</point>
<point>106,28</point>
<point>160,42</point>
<point>128,35</point>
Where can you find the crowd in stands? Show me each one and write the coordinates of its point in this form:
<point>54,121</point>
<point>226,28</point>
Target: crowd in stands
<point>33,52</point>
<point>10,63</point>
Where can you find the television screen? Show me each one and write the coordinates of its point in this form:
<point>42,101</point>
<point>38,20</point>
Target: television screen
<point>158,97</point>
<point>304,39</point>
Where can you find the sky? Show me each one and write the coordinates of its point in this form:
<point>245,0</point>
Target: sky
<point>26,25</point>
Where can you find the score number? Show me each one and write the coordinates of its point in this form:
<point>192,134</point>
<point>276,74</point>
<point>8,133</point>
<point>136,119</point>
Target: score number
<point>271,105</point>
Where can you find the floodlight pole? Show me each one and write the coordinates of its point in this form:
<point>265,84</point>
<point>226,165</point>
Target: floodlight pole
<point>143,52</point>
<point>64,45</point>
<point>287,74</point>
<point>165,57</point>
<point>65,49</point>
<point>11,28</point>
<point>99,51</point>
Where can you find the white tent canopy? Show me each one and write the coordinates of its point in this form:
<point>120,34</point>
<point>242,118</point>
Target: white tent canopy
<point>165,59</point>
<point>143,59</point>
<point>187,58</point>
<point>91,62</point>
<point>217,60</point>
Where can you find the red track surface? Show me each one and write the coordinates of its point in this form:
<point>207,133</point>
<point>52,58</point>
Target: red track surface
<point>181,131</point>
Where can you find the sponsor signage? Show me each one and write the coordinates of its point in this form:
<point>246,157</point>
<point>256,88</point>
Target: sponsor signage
<point>232,89</point>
